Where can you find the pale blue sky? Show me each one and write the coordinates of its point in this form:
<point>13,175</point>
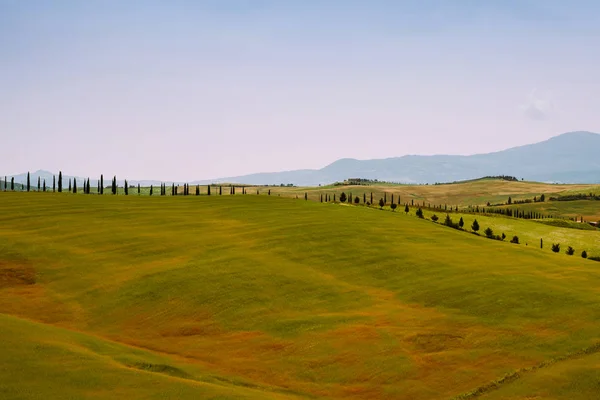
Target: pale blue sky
<point>186,89</point>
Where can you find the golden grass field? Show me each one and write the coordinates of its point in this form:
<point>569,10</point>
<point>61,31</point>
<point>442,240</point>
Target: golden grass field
<point>270,297</point>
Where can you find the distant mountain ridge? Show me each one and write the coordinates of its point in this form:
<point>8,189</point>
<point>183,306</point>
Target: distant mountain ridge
<point>572,157</point>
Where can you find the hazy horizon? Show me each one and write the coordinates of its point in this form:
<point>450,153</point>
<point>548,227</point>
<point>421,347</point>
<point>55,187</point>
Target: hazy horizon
<point>199,90</point>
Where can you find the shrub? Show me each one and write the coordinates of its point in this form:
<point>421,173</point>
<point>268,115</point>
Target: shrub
<point>368,203</point>
<point>515,239</point>
<point>381,203</point>
<point>343,197</point>
<point>434,218</point>
<point>356,200</point>
<point>503,236</point>
<point>461,223</point>
<point>594,258</point>
<point>570,251</point>
<point>420,213</point>
<point>556,247</point>
<point>489,232</point>
<point>475,226</point>
<point>393,206</point>
<point>584,254</point>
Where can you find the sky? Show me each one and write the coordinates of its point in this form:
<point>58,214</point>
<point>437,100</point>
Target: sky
<point>200,89</point>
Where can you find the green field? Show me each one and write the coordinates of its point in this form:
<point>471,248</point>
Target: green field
<point>588,209</point>
<point>269,297</point>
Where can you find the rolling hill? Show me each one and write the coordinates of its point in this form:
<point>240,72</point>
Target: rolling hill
<point>270,297</point>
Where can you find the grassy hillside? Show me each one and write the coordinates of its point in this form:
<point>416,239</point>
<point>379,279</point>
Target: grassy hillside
<point>588,209</point>
<point>262,297</point>
<point>477,192</point>
<point>530,232</point>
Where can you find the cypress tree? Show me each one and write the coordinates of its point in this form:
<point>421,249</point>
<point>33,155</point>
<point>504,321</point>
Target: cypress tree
<point>269,192</point>
<point>197,190</point>
<point>39,183</point>
<point>371,197</point>
<point>101,191</point>
<point>70,187</point>
<point>12,183</point>
<point>114,185</point>
<point>44,185</point>
<point>74,185</point>
<point>151,190</point>
<point>208,189</point>
<point>384,198</point>
<point>321,197</point>
<point>28,182</point>
<point>126,187</point>
<point>5,183</point>
<point>392,198</point>
<point>364,198</point>
<point>173,190</point>
<point>53,183</point>
<point>220,190</point>
<point>305,196</point>
<point>138,188</point>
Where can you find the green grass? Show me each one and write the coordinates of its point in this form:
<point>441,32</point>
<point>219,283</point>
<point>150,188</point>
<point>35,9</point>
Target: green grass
<point>257,296</point>
<point>530,232</point>
<point>588,209</point>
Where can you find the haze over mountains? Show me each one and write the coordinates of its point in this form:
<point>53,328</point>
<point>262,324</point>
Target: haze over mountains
<point>572,157</point>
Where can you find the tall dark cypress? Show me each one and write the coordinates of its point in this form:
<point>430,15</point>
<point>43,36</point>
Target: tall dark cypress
<point>305,196</point>
<point>371,197</point>
<point>5,183</point>
<point>126,186</point>
<point>12,183</point>
<point>39,183</point>
<point>364,198</point>
<point>197,190</point>
<point>44,185</point>
<point>54,183</point>
<point>28,182</point>
<point>138,188</point>
<point>70,187</point>
<point>114,185</point>
<point>220,190</point>
<point>74,185</point>
<point>208,189</point>
<point>173,190</point>
<point>59,182</point>
<point>101,191</point>
<point>150,190</point>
